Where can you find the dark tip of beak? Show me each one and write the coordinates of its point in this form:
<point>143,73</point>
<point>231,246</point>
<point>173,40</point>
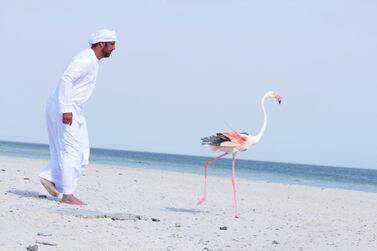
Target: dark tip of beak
<point>279,101</point>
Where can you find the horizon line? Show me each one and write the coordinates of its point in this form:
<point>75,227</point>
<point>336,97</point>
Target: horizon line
<point>190,155</point>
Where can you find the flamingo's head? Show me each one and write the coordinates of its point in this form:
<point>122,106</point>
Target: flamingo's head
<point>274,95</point>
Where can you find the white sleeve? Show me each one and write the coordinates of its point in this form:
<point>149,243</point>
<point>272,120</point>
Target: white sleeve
<point>76,70</point>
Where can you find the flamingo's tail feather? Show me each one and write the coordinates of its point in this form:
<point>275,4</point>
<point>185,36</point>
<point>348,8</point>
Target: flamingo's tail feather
<point>215,140</point>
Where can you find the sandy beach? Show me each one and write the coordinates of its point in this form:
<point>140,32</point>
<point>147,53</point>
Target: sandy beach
<point>135,209</point>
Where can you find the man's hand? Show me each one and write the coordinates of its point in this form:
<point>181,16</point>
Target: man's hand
<point>67,118</point>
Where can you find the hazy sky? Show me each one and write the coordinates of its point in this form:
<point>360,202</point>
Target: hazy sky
<point>186,69</point>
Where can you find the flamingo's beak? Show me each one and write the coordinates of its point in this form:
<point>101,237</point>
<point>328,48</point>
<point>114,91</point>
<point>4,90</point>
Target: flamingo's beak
<point>278,98</point>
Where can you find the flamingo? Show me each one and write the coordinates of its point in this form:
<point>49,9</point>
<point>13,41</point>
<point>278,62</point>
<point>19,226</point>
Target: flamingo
<point>232,143</point>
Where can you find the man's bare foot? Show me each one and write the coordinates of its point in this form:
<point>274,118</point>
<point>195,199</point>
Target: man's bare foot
<point>50,187</point>
<point>72,200</point>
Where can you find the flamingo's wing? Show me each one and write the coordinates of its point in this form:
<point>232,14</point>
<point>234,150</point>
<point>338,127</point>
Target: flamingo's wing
<point>227,139</point>
<point>236,138</point>
<point>215,140</point>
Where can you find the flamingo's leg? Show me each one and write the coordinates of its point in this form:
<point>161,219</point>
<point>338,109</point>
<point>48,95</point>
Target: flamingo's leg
<point>209,162</point>
<point>237,215</point>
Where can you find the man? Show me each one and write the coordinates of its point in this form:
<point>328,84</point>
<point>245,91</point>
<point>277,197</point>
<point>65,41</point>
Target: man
<point>67,131</point>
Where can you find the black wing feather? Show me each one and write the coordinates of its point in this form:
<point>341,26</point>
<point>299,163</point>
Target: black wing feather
<point>215,140</point>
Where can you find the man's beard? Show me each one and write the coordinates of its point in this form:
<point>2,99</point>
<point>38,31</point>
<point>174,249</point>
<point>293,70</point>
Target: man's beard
<point>107,54</point>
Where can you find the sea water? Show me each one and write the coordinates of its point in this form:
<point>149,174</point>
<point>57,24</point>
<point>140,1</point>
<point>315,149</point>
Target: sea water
<point>288,173</point>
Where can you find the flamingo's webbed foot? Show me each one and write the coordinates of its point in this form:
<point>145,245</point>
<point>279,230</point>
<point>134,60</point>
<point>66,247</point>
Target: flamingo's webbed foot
<point>201,200</point>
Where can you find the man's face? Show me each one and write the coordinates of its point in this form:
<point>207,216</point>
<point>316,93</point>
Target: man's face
<point>108,49</point>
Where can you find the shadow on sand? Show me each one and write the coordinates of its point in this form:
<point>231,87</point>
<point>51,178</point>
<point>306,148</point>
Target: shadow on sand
<point>32,194</point>
<point>185,210</point>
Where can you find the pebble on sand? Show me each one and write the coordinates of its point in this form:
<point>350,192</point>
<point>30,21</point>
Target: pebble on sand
<point>32,248</point>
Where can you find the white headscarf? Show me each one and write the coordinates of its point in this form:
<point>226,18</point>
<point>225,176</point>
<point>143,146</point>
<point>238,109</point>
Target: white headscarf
<point>103,35</point>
